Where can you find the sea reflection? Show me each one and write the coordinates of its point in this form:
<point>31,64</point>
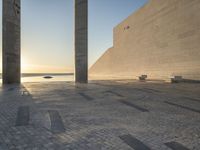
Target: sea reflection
<point>42,79</point>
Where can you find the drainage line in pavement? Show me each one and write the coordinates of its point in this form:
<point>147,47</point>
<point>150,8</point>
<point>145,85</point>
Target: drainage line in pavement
<point>133,142</point>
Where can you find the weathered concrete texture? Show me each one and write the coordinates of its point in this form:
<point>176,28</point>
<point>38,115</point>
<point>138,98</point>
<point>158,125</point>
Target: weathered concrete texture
<point>81,41</point>
<point>11,41</point>
<point>161,39</point>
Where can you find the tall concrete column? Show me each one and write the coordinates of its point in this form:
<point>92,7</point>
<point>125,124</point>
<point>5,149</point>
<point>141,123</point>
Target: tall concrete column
<point>11,41</point>
<point>81,41</point>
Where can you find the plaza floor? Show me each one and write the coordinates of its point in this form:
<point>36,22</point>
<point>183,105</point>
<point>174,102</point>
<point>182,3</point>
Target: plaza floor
<point>101,115</point>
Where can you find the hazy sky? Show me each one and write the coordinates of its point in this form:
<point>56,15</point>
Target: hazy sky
<point>47,31</point>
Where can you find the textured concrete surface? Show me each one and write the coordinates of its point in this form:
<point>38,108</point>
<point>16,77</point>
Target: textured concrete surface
<point>103,115</point>
<point>11,41</point>
<point>81,41</point>
<point>160,40</point>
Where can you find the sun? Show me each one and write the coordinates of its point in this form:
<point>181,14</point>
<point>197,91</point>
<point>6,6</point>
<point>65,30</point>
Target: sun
<point>24,65</point>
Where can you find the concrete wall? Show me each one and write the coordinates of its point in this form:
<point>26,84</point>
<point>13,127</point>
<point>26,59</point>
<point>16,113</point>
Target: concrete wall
<point>11,41</point>
<point>161,39</point>
<point>81,41</point>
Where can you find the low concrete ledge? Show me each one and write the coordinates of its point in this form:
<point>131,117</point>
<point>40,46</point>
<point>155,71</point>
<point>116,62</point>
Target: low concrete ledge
<point>180,79</point>
<point>176,79</point>
<point>143,77</point>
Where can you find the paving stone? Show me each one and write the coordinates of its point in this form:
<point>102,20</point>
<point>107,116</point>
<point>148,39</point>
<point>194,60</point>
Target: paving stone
<point>57,125</point>
<point>192,99</point>
<point>176,146</point>
<point>134,106</point>
<point>184,107</point>
<point>114,93</point>
<point>62,119</point>
<point>22,116</point>
<point>134,143</point>
<point>86,96</point>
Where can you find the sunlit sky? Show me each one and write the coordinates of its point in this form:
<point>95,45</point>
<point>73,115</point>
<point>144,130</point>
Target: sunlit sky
<point>47,31</point>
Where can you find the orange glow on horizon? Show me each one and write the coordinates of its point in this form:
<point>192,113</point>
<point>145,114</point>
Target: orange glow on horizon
<point>36,68</point>
<point>28,68</point>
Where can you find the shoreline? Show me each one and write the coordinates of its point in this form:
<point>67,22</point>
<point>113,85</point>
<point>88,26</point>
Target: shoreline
<point>42,74</point>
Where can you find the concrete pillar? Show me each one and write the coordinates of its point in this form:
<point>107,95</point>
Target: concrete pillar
<point>81,41</point>
<point>11,41</point>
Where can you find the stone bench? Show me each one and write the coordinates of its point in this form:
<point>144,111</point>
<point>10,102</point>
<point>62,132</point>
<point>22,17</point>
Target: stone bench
<point>176,79</point>
<point>143,77</point>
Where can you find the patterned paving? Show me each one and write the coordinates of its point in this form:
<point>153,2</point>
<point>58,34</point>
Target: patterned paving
<point>103,115</point>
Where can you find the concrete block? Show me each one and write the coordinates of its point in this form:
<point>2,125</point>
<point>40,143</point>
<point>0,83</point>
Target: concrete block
<point>143,77</point>
<point>177,79</point>
<point>11,41</point>
<point>81,41</point>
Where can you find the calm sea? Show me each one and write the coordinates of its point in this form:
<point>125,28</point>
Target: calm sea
<point>38,77</point>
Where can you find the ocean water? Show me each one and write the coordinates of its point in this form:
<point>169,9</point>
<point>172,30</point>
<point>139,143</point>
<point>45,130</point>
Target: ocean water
<point>40,78</point>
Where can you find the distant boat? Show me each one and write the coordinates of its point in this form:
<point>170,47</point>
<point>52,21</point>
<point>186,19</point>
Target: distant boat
<point>48,77</point>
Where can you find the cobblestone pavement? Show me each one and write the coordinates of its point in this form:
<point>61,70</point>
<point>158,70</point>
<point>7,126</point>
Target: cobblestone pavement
<point>103,115</point>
